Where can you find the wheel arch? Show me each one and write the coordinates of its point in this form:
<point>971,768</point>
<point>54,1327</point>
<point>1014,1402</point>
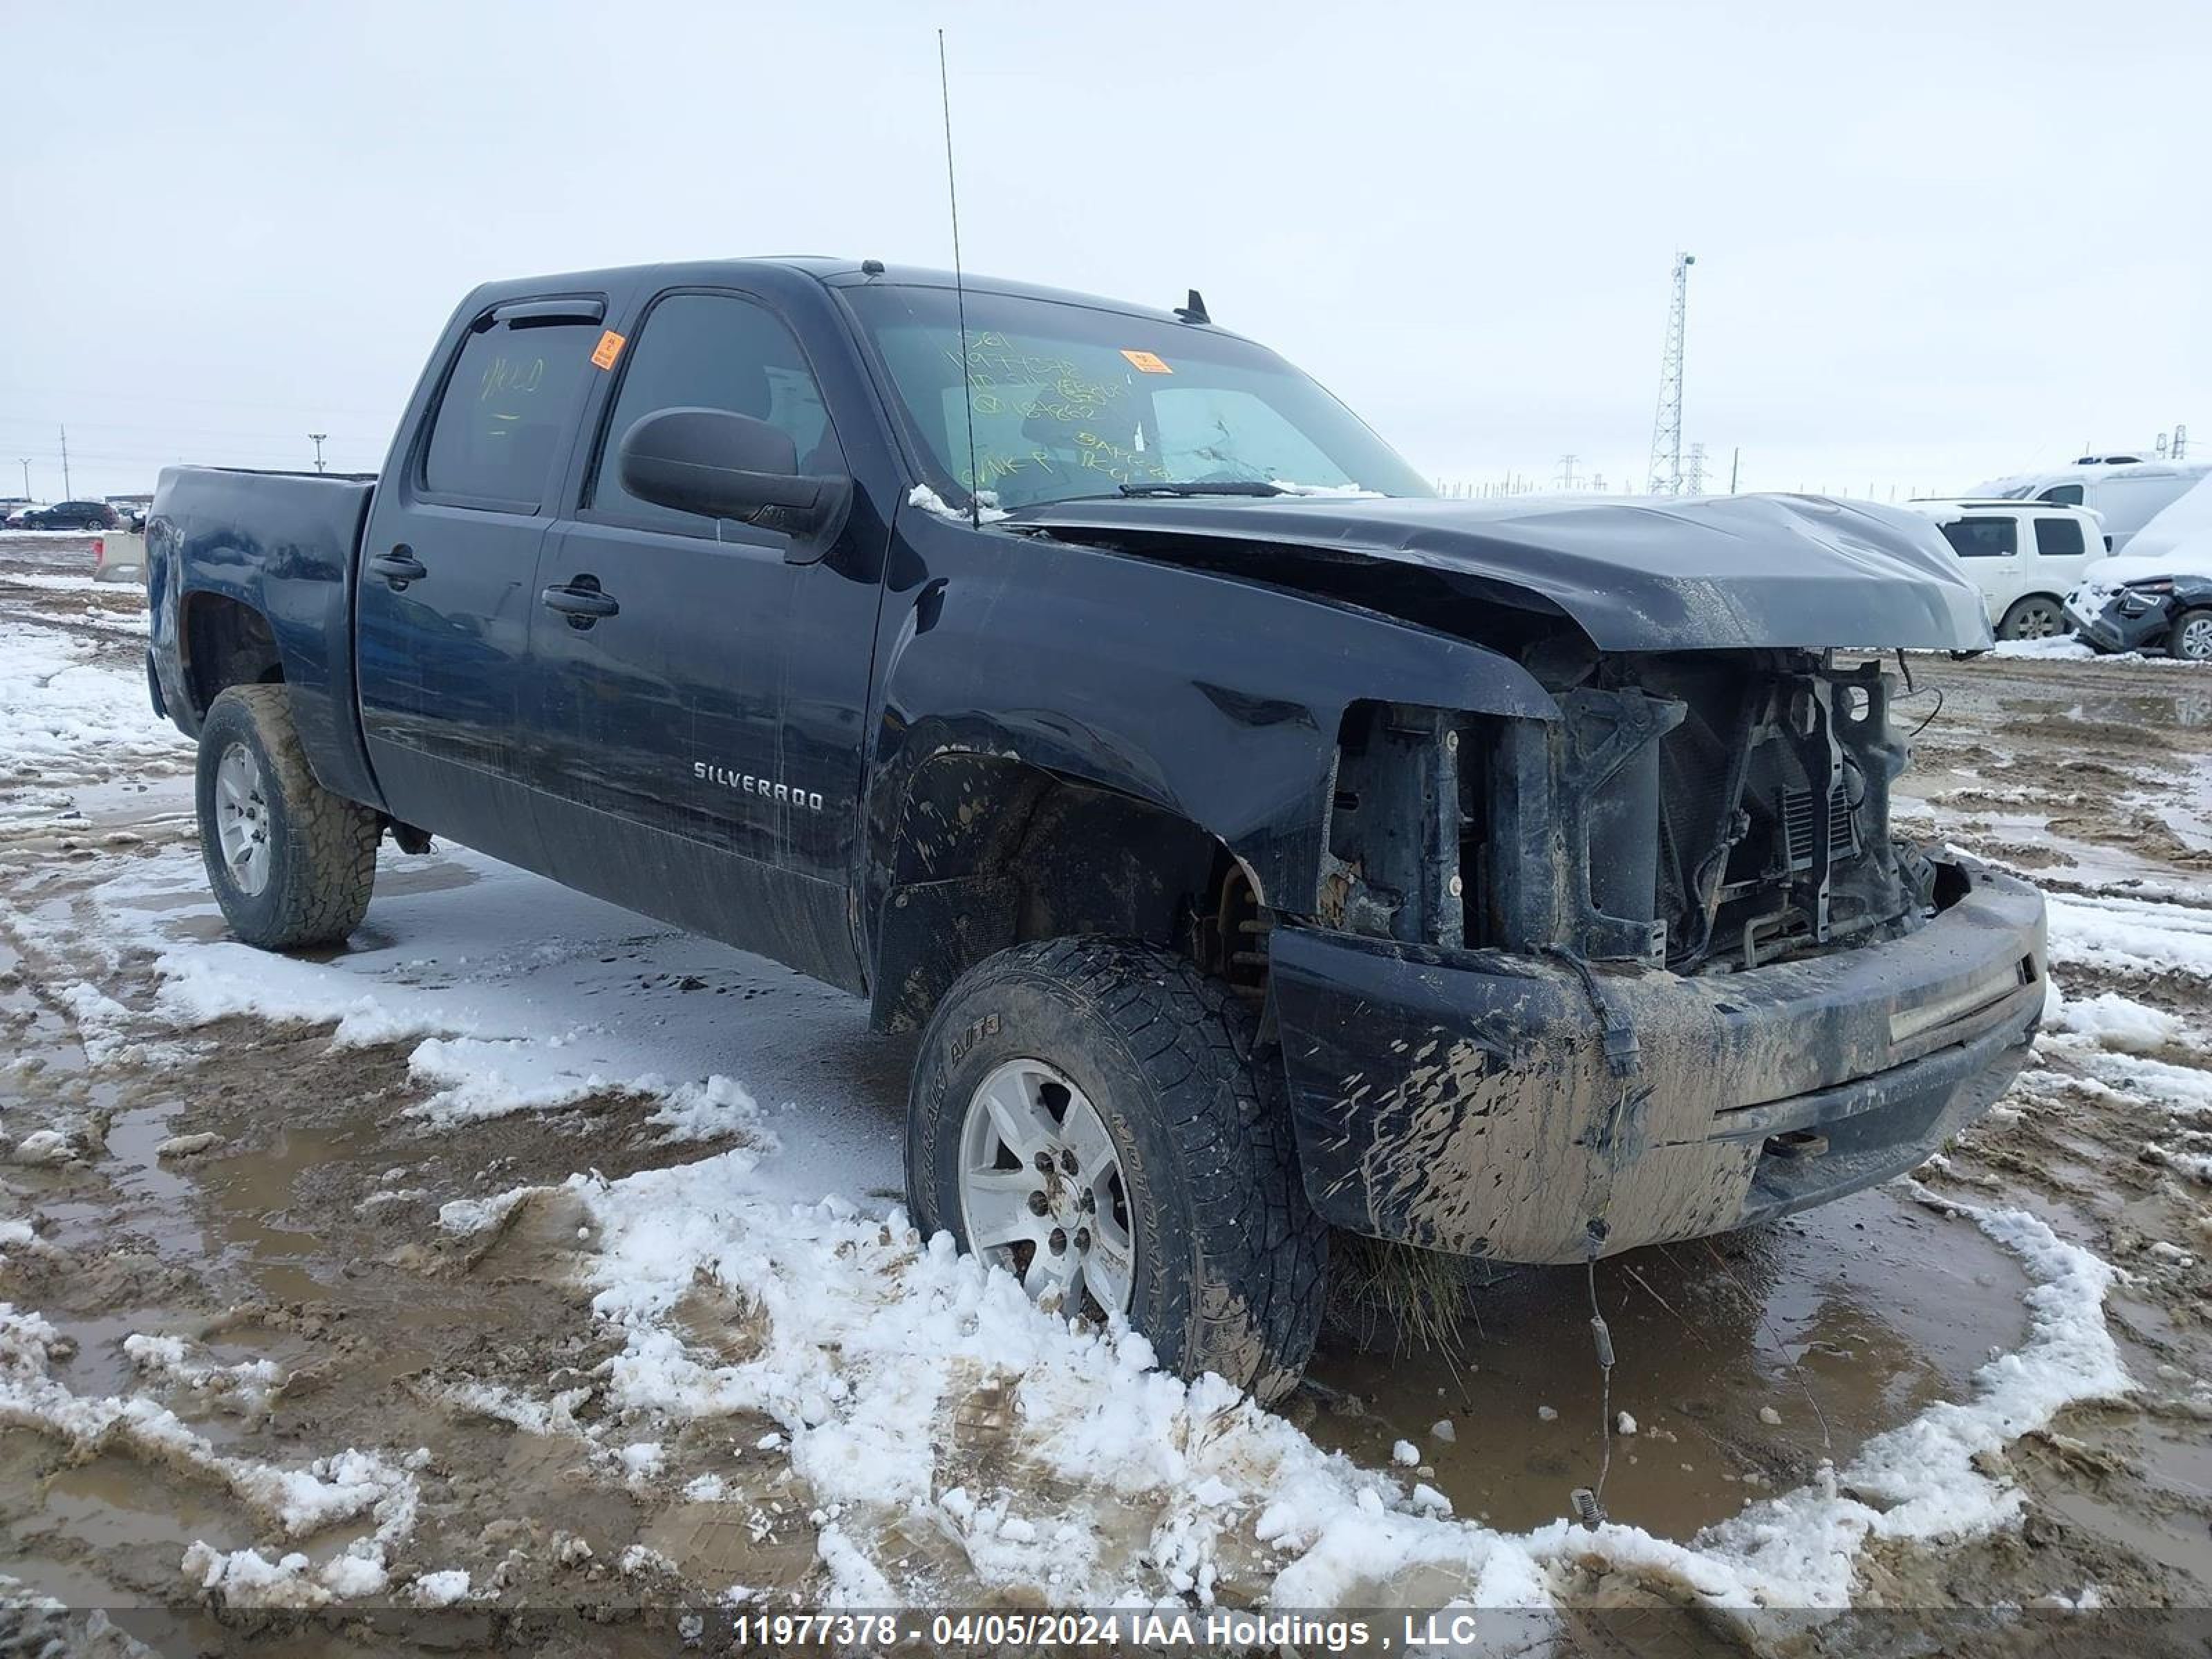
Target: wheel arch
<point>224,641</point>
<point>990,851</point>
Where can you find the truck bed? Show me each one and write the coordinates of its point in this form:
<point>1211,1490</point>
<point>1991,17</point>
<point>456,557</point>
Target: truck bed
<point>285,546</point>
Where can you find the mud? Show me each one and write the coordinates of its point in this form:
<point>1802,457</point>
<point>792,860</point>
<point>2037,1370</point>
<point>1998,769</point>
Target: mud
<point>263,1196</point>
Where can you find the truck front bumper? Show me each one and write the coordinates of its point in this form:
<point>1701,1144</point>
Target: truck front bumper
<point>1505,1106</point>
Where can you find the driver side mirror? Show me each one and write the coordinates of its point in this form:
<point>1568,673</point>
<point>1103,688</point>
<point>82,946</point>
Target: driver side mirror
<point>727,465</point>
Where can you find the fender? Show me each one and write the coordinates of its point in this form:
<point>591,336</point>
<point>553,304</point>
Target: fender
<point>294,571</point>
<point>1217,699</point>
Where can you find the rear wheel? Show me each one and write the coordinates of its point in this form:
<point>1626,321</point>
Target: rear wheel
<point>1091,1115</point>
<point>2039,616</point>
<point>291,864</point>
<point>2191,637</point>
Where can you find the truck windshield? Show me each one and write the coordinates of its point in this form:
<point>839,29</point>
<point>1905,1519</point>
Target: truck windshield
<point>1073,400</point>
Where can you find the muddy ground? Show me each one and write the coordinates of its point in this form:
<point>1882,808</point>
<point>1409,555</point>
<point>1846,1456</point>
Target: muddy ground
<point>256,1190</point>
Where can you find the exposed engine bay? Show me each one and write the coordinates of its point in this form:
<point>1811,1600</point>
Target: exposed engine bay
<point>1697,811</point>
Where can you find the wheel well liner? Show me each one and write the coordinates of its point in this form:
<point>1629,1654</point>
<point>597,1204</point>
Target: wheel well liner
<point>225,642</point>
<point>992,851</point>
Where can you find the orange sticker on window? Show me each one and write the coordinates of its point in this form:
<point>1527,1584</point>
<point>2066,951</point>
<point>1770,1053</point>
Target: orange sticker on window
<point>1145,363</point>
<point>608,349</point>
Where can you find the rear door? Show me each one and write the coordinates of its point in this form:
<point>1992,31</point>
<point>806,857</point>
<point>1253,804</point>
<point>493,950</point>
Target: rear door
<point>2062,551</point>
<point>1987,546</point>
<point>705,730</point>
<point>447,593</point>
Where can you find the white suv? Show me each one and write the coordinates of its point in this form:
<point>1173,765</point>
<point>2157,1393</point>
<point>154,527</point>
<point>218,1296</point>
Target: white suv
<point>2025,557</point>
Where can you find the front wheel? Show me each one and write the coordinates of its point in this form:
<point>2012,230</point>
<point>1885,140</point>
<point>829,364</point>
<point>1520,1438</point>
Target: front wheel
<point>2035,617</point>
<point>1090,1115</point>
<point>291,864</point>
<point>2191,637</point>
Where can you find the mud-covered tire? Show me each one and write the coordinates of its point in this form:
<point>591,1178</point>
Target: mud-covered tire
<point>2190,639</point>
<point>320,848</point>
<point>1230,1261</point>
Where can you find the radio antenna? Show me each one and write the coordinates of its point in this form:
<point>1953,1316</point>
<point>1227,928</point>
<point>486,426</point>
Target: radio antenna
<point>960,292</point>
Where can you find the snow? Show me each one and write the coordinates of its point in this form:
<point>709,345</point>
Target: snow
<point>2059,648</point>
<point>296,1503</point>
<point>63,709</point>
<point>525,997</point>
<point>2112,1021</point>
<point>175,1359</point>
<point>2179,536</point>
<point>2128,936</point>
<point>929,500</point>
<point>440,1589</point>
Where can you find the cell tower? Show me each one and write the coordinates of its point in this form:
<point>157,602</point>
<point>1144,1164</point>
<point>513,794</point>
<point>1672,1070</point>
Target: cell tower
<point>1694,472</point>
<point>1667,427</point>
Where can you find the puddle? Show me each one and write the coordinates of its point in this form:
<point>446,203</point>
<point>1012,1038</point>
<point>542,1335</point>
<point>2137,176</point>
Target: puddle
<point>1882,1306</point>
<point>109,1504</point>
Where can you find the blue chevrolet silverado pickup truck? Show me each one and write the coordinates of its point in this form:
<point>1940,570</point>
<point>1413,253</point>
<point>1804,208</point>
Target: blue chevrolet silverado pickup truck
<point>1262,846</point>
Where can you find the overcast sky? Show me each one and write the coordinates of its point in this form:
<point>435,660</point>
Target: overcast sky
<point>1934,240</point>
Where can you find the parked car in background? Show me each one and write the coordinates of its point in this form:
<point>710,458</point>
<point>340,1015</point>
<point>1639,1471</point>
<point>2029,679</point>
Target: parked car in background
<point>2127,494</point>
<point>2024,558</point>
<point>17,514</point>
<point>2159,597</point>
<point>2144,604</point>
<point>73,515</point>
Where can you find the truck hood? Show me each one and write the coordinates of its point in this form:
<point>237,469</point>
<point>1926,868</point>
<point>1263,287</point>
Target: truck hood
<point>1699,573</point>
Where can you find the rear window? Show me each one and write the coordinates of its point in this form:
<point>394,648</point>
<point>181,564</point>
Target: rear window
<point>1982,538</point>
<point>2054,536</point>
<point>505,413</point>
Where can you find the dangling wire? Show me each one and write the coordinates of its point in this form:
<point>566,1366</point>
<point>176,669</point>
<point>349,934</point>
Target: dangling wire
<point>1589,1502</point>
<point>1603,1339</point>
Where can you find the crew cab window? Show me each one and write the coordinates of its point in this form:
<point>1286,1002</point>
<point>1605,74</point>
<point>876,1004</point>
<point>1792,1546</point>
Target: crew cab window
<point>506,411</point>
<point>2063,495</point>
<point>1982,538</point>
<point>2058,536</point>
<point>711,351</point>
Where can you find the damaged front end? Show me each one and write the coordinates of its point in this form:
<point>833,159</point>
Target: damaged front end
<point>1651,970</point>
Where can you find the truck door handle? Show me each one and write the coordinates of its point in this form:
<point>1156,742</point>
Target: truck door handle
<point>581,601</point>
<point>399,566</point>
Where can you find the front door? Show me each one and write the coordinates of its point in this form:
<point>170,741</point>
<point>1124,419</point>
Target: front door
<point>446,590</point>
<point>702,697</point>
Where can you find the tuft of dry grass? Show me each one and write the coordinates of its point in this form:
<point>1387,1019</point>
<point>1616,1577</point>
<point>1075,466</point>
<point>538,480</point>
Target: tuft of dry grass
<point>1398,1295</point>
